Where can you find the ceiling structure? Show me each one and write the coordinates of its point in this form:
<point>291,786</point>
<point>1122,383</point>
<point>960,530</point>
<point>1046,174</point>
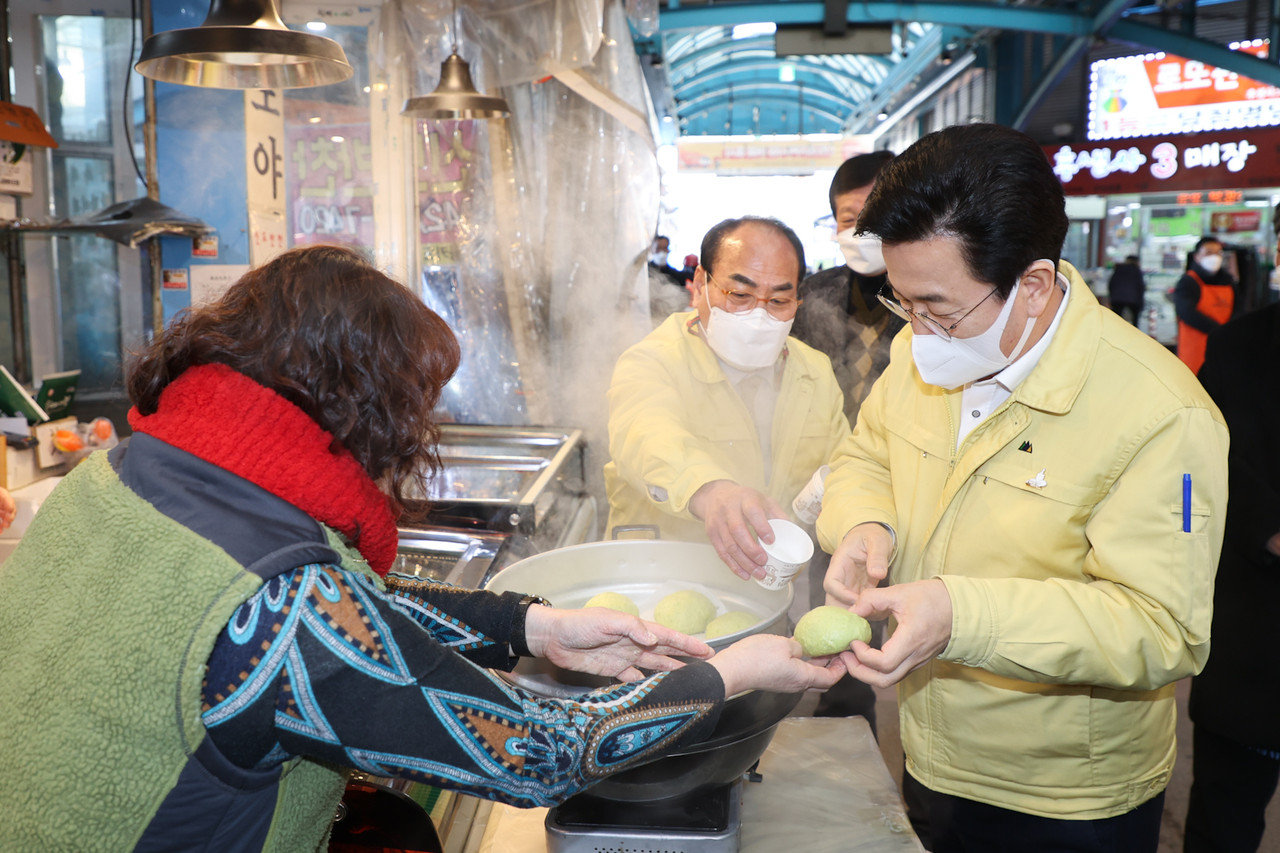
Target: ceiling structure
<point>855,66</point>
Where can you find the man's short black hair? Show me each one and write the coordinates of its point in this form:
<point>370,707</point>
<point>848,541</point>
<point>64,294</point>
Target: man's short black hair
<point>716,236</point>
<point>1130,259</point>
<point>989,187</point>
<point>856,172</point>
<point>1208,238</point>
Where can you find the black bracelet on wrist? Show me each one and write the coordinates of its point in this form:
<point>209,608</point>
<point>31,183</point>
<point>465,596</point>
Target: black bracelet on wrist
<point>518,642</point>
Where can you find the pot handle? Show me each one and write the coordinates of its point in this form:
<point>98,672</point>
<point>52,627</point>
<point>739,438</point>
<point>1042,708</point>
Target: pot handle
<point>636,528</point>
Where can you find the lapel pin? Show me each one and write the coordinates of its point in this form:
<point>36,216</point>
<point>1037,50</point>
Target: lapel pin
<point>1038,481</point>
<point>1025,447</point>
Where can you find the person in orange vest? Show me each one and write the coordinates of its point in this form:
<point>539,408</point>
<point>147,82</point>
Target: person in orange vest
<point>1204,298</point>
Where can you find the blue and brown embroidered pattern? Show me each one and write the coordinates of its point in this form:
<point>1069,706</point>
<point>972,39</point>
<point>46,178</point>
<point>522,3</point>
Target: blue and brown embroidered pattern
<point>449,630</point>
<point>320,662</point>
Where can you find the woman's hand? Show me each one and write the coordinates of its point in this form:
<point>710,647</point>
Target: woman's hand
<point>773,662</point>
<point>600,641</point>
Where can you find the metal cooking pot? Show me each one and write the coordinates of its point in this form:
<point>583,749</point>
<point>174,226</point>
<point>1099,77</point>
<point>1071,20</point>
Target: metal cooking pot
<point>646,570</point>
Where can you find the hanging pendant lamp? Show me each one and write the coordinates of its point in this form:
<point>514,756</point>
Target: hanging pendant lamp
<point>456,96</point>
<point>243,44</point>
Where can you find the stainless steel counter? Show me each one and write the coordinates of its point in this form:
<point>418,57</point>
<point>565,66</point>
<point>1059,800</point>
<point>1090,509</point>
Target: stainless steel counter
<point>826,789</point>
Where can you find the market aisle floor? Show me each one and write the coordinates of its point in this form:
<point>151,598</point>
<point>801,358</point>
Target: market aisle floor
<point>1175,803</point>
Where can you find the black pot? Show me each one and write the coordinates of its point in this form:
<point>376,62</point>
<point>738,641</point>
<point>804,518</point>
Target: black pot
<point>746,725</point>
<point>741,736</point>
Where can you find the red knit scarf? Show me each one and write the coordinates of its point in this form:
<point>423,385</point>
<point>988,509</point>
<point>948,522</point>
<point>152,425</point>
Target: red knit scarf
<point>228,420</point>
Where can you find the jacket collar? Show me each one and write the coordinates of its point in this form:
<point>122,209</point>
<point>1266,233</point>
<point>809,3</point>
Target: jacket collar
<point>225,418</point>
<point>1057,380</point>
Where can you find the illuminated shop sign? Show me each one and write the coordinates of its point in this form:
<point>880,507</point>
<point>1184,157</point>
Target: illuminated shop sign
<point>1187,162</point>
<point>1159,93</point>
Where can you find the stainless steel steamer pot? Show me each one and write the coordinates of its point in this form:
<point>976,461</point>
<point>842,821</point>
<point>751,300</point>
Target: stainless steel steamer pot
<point>647,570</point>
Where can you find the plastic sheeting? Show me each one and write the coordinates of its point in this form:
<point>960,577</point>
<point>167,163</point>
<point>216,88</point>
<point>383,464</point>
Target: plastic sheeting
<point>506,43</point>
<point>533,230</point>
<point>589,198</point>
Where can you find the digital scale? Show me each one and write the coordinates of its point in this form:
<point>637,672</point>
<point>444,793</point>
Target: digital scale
<point>706,822</point>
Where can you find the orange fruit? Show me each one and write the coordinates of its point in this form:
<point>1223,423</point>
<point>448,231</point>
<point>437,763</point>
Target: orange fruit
<point>67,441</point>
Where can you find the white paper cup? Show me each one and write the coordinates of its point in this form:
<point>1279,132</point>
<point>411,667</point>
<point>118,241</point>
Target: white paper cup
<point>808,503</point>
<point>789,552</point>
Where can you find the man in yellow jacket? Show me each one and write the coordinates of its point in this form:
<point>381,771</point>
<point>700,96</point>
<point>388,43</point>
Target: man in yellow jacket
<point>1045,486</point>
<point>717,419</point>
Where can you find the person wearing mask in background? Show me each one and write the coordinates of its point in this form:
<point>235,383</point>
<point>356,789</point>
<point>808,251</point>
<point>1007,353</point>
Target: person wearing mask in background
<point>842,317</point>
<point>1021,464</point>
<point>717,419</point>
<point>1204,299</point>
<point>195,638</point>
<point>1126,289</point>
<point>1235,760</point>
<point>667,291</point>
<point>659,254</point>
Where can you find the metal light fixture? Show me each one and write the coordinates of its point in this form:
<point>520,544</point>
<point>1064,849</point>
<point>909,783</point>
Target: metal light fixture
<point>243,44</point>
<point>456,96</point>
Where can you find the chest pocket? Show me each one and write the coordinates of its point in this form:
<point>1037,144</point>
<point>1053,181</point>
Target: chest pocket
<point>1032,519</point>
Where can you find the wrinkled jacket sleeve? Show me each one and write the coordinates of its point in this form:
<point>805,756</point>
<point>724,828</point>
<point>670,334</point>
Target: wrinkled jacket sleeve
<point>1142,621</point>
<point>650,440</point>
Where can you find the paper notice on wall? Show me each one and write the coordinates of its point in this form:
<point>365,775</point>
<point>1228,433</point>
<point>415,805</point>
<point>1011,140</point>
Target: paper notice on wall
<point>210,281</point>
<point>267,235</point>
<point>15,170</point>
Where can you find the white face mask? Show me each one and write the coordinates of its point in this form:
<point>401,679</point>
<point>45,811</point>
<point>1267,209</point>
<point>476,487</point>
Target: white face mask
<point>959,361</point>
<point>861,252</point>
<point>1211,263</point>
<point>747,341</point>
<point>659,258</point>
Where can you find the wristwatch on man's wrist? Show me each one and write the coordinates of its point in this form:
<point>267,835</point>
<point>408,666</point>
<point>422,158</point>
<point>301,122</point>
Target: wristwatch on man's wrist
<point>519,644</point>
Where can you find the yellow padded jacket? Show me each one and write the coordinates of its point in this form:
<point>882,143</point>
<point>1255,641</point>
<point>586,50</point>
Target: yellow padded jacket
<point>1076,603</point>
<point>676,423</point>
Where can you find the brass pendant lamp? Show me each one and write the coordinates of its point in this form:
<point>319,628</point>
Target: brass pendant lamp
<point>456,96</point>
<point>243,44</point>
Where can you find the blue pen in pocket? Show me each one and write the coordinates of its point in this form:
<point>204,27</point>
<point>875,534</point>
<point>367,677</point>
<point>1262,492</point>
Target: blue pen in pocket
<point>1186,503</point>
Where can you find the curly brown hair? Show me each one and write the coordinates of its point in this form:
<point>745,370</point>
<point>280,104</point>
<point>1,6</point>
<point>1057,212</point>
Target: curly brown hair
<point>354,349</point>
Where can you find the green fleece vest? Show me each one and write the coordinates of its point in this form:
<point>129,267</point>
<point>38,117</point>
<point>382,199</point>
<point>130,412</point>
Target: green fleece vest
<point>108,613</point>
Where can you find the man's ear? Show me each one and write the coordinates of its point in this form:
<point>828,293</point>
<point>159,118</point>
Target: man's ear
<point>699,280</point>
<point>1039,281</point>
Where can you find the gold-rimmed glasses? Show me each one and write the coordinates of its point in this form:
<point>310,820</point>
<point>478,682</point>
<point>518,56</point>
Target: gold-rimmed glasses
<point>743,301</point>
<point>935,326</point>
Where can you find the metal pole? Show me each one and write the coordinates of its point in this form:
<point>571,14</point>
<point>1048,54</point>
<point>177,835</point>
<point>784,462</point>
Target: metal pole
<point>10,242</point>
<point>153,182</point>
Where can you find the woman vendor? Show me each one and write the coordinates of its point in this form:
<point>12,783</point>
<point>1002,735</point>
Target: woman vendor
<point>195,639</point>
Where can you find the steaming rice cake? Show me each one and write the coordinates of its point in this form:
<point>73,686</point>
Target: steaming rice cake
<point>731,623</point>
<point>687,611</point>
<point>613,601</point>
